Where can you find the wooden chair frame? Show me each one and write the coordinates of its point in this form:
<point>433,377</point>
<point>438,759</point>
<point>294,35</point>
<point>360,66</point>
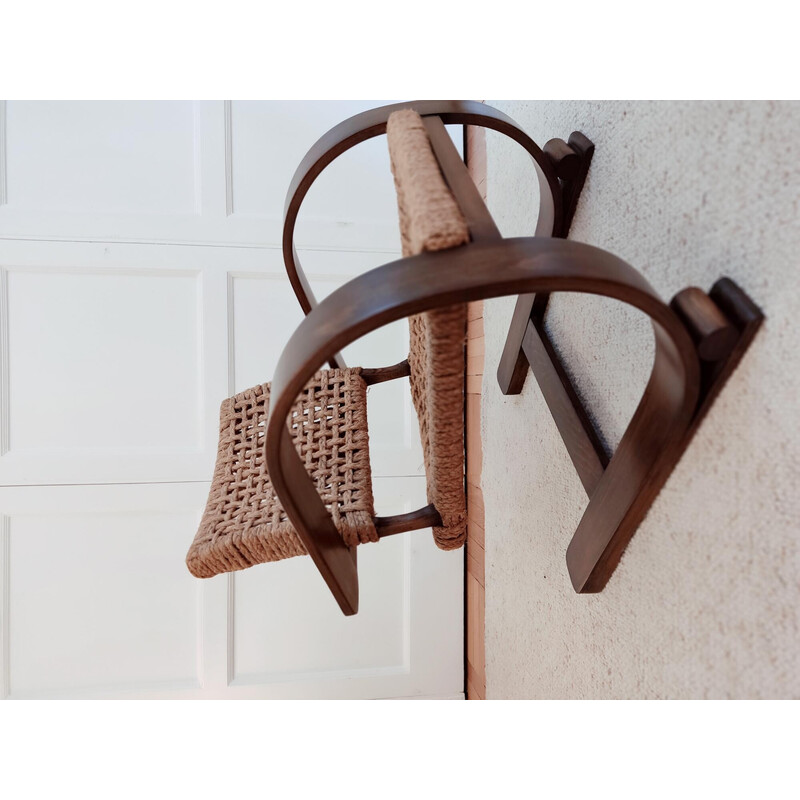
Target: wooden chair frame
<point>699,340</point>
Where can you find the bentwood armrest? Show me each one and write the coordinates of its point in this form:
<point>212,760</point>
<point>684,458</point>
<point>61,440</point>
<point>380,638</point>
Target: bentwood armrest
<point>474,272</point>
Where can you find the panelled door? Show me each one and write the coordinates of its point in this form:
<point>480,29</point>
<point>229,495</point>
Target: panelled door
<point>141,282</point>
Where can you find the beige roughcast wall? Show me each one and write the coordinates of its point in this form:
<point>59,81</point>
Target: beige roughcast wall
<point>706,600</point>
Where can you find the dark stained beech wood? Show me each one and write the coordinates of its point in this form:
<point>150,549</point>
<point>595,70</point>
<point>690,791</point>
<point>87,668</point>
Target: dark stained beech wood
<point>747,318</point>
<point>576,429</point>
<point>712,332</point>
<point>426,517</point>
<point>595,550</point>
<point>372,123</point>
<point>572,172</point>
<point>648,449</point>
<point>383,374</point>
<point>566,161</point>
<point>335,561</point>
<point>481,225</point>
<point>699,340</point>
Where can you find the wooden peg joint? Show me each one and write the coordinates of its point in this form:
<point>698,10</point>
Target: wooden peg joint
<point>711,331</point>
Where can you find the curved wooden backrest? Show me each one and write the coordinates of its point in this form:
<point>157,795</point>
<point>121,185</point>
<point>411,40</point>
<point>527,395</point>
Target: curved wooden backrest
<point>372,123</point>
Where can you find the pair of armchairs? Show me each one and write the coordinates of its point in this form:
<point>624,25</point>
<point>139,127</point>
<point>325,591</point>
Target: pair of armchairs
<point>292,475</point>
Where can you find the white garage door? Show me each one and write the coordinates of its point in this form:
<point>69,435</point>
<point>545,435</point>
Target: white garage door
<point>142,282</point>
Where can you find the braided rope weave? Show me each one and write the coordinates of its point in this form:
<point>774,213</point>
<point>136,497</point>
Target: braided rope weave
<point>431,220</point>
<point>244,522</point>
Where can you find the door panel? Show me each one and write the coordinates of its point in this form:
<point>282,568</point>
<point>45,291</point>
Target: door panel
<point>105,378</point>
<point>96,159</point>
<point>141,283</point>
<point>97,602</point>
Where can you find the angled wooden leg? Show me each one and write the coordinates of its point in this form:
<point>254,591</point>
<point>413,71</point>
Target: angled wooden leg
<point>571,161</point>
<point>722,325</point>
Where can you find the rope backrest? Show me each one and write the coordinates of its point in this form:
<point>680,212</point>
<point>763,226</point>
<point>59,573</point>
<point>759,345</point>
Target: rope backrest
<point>431,220</point>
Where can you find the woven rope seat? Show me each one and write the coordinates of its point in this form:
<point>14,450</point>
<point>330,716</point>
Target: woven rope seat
<point>244,522</point>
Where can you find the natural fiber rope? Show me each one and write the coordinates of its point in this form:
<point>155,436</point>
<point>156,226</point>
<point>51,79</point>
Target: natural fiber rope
<point>430,220</point>
<point>244,522</point>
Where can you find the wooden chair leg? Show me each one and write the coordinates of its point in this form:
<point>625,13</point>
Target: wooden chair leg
<point>571,161</point>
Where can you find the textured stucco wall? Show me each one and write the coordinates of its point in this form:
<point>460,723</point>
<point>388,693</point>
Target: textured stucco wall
<point>706,600</point>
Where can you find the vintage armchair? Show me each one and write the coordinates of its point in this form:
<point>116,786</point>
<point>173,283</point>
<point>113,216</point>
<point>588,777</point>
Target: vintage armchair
<point>292,474</point>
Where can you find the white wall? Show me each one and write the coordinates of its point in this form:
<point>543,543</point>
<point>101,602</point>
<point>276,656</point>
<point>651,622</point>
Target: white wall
<point>706,600</point>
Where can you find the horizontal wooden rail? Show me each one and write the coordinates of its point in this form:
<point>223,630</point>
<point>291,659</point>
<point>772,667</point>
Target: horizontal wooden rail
<point>427,517</point>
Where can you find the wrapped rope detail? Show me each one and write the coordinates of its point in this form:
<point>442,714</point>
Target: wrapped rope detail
<point>431,220</point>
